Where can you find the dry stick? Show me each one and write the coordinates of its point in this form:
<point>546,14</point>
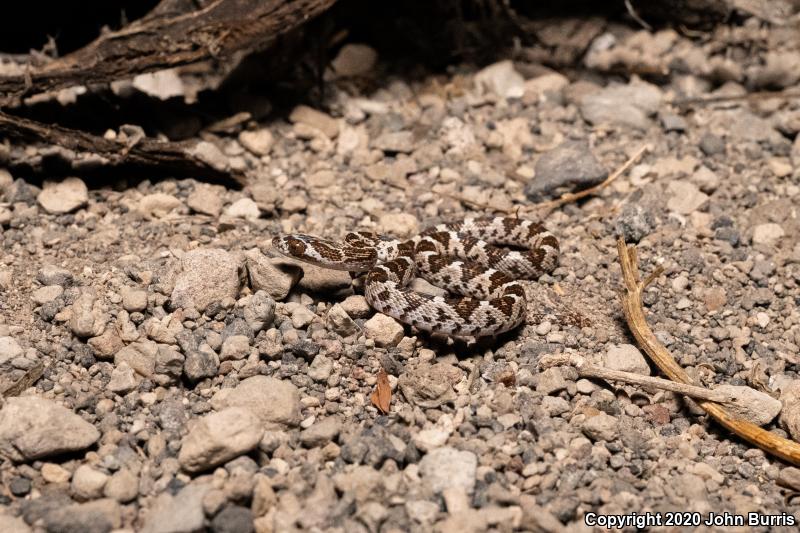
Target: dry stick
<point>758,95</point>
<point>786,449</point>
<point>588,370</point>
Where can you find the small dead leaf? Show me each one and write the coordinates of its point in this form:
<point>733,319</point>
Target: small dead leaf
<point>382,396</point>
<point>558,290</point>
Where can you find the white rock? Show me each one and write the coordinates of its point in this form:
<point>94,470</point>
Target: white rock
<point>235,347</point>
<point>210,154</point>
<point>206,199</point>
<point>9,349</point>
<point>401,225</point>
<point>752,405</point>
<point>624,105</point>
<point>384,330</point>
<point>218,438</point>
<point>258,141</point>
<point>157,205</point>
<point>181,513</point>
<point>275,402</point>
<point>88,483</point>
<point>767,233</point>
<point>501,79</point>
<point>448,467</point>
<point>63,196</point>
<point>685,197</point>
<point>208,275</point>
<point>123,379</point>
<point>274,277</point>
<point>163,84</point>
<point>318,120</point>
<point>320,368</point>
<point>626,358</point>
<point>244,208</point>
<point>42,295</point>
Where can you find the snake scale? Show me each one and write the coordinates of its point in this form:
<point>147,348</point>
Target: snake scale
<point>463,258</point>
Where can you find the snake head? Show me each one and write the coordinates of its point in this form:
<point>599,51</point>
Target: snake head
<point>290,245</point>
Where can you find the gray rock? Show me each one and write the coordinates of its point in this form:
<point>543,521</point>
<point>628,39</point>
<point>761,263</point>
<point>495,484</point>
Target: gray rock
<point>568,166</point>
<point>206,199</point>
<point>622,105</point>
<point>140,356</point>
<point>233,519</point>
<point>200,364</point>
<point>275,277</point>
<point>320,368</point>
<point>448,467</point>
<point>600,427</point>
<point>53,275</point>
<point>635,222</point>
<point>182,513</point>
<point>551,381</point>
<point>219,437</point>
<point>627,358</point>
<point>711,144</point>
<point>394,142</point>
<point>207,276</point>
<point>99,516</point>
<point>275,402</point>
<point>9,349</point>
<point>322,432</point>
<point>752,405</point>
<point>87,319</point>
<point>339,321</point>
<point>259,311</point>
<point>32,428</point>
<point>169,361</point>
<point>63,196</point>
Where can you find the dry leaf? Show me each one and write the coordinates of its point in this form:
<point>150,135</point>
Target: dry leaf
<point>382,396</point>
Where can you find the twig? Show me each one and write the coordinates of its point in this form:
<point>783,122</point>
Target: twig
<point>635,16</point>
<point>758,95</point>
<point>631,298</point>
<point>29,378</point>
<point>573,196</point>
<point>588,370</point>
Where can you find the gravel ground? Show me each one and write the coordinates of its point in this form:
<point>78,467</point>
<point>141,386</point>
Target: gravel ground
<point>194,380</point>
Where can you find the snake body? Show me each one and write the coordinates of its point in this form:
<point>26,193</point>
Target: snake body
<point>462,257</point>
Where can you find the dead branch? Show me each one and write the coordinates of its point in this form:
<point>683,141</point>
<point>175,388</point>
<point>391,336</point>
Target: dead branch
<point>588,370</point>
<point>631,298</point>
<point>172,34</point>
<point>85,150</point>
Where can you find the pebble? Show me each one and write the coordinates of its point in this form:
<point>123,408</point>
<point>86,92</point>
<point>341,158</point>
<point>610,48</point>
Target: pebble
<point>430,386</point>
<point>258,141</point>
<point>275,402</point>
<point>400,225</point>
<point>626,358</point>
<point>321,432</point>
<point>13,524</point>
<point>547,87</point>
<point>235,347</point>
<point>140,356</point>
<point>200,364</point>
<point>133,299</point>
<point>244,208</point>
<point>501,80</point>
<point>767,233</point>
<point>88,483</point>
<point>59,197</point>
<point>33,428</point>
<point>685,197</point>
<point>752,405</point>
<point>711,144</point>
<point>123,486</point>
<point>339,321</point>
<point>46,294</point>
<point>448,467</point>
<point>98,516</point>
<point>53,275</point>
<point>321,179</point>
<point>622,105</point>
<point>9,349</point>
<point>316,119</point>
<point>53,473</point>
<point>207,276</point>
<point>259,311</point>
<point>275,278</point>
<point>219,437</point>
<point>210,154</point>
<point>394,142</point>
<point>356,306</point>
<point>571,164</point>
<point>635,222</point>
<point>601,426</point>
<point>86,319</point>
<point>233,519</point>
<point>320,368</point>
<point>384,330</point>
<point>354,59</point>
<point>123,379</point>
<point>181,513</point>
<point>206,199</point>
<point>157,206</point>
<point>551,381</point>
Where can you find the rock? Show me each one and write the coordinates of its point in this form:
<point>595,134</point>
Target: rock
<point>259,311</point>
<point>394,142</point>
<point>570,165</point>
<point>501,79</point>
<point>626,358</point>
<point>635,222</point>
<point>275,402</point>
<point>320,368</point>
<point>685,197</point>
<point>622,105</point>
<point>545,87</point>
<point>206,199</point>
<point>448,467</point>
<point>107,344</point>
<point>123,486</point>
<point>88,483</point>
<point>63,196</point>
<point>551,381</point>
<point>243,208</point>
<point>356,306</point>
<point>384,330</point>
<point>324,280</point>
<point>318,120</point>
<point>264,497</point>
<point>235,347</point>
<point>219,437</point>
<point>9,349</point>
<point>354,60</point>
<point>752,405</point>
<point>100,516</point>
<point>276,279</point>
<point>13,524</point>
<point>321,433</point>
<point>430,386</point>
<point>46,294</point>
<point>87,319</point>
<point>123,379</point>
<point>140,356</point>
<point>711,144</point>
<point>338,320</point>
<point>233,519</point>
<point>258,141</point>
<point>134,299</point>
<point>789,477</point>
<point>207,276</point>
<point>53,473</point>
<point>53,275</point>
<point>181,513</point>
<point>200,364</point>
<point>209,153</point>
<point>321,179</point>
<point>32,428</point>
<point>767,233</point>
<point>157,206</point>
<point>781,70</point>
<point>400,225</point>
<point>600,427</point>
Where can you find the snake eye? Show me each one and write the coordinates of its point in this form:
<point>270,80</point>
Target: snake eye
<point>296,247</point>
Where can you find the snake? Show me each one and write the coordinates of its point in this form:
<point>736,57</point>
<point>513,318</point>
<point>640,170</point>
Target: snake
<point>478,261</point>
